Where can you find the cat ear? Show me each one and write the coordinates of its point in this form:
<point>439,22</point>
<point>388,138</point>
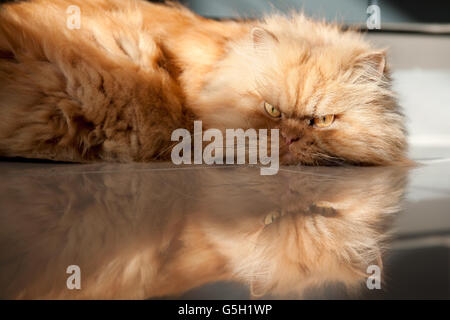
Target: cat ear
<point>374,62</point>
<point>262,38</point>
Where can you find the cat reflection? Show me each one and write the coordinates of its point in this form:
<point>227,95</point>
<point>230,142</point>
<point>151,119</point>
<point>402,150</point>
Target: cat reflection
<point>138,234</point>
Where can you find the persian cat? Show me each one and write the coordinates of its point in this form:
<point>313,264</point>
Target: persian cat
<point>137,233</point>
<point>115,88</point>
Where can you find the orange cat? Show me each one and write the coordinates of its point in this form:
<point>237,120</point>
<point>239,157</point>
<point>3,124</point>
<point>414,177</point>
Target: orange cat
<point>116,87</point>
<point>137,233</point>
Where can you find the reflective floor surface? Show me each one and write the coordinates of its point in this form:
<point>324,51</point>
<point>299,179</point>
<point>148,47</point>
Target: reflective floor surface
<point>143,231</point>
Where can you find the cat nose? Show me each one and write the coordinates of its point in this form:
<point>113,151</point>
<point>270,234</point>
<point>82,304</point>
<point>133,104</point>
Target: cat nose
<point>290,138</point>
<point>289,141</point>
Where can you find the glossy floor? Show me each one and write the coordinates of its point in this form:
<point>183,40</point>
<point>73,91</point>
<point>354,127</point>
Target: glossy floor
<point>159,231</point>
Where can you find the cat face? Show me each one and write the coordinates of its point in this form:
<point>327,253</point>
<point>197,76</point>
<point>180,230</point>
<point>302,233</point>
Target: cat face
<point>287,234</point>
<point>331,103</point>
<point>327,91</point>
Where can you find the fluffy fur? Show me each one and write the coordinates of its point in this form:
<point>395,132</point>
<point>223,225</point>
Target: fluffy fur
<point>117,87</point>
<point>132,238</point>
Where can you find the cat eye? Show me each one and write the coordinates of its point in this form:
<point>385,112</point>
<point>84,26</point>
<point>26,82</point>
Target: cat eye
<point>271,217</point>
<point>324,121</point>
<point>271,110</point>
